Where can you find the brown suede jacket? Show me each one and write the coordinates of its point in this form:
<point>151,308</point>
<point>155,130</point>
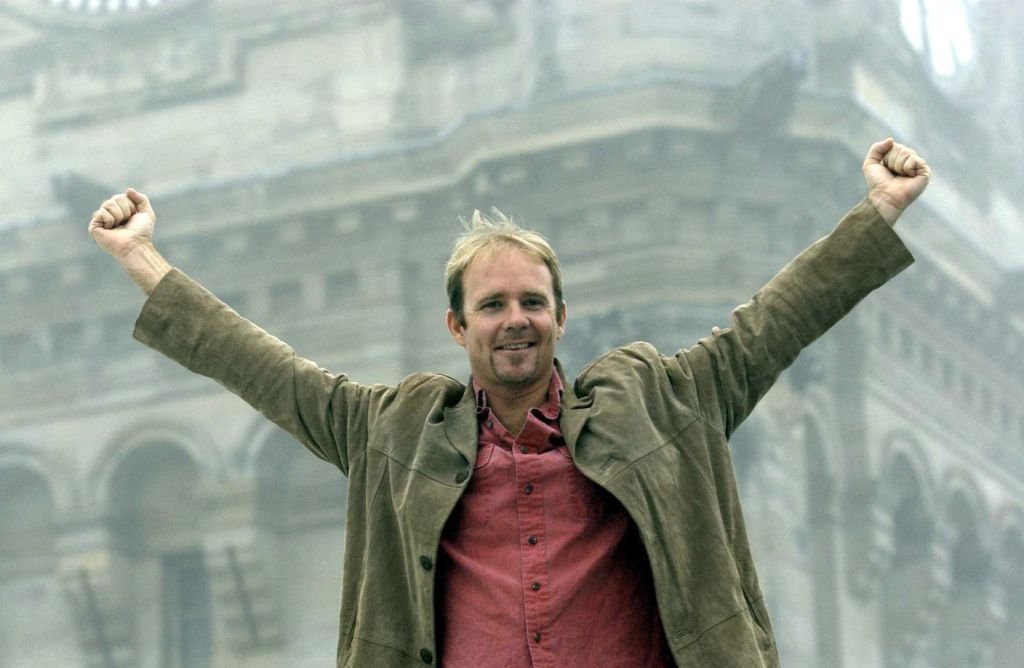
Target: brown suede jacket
<point>651,429</point>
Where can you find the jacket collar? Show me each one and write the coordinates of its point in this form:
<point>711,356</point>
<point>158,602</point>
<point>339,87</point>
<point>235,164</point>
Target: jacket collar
<point>460,422</point>
<point>550,408</point>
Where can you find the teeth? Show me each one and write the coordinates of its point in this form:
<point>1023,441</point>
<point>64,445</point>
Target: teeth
<point>515,346</point>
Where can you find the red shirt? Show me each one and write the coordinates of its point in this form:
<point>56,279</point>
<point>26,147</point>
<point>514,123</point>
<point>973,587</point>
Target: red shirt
<point>538,565</point>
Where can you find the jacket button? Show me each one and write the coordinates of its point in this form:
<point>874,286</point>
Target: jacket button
<point>426,563</point>
<point>426,655</point>
<point>460,477</point>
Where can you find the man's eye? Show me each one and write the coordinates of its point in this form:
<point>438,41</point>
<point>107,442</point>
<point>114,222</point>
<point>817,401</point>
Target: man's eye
<point>490,306</point>
<point>533,304</point>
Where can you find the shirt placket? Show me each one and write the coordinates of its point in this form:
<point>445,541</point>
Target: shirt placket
<point>532,541</point>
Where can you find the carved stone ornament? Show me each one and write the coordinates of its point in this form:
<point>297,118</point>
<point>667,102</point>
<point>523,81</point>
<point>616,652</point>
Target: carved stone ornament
<point>95,14</point>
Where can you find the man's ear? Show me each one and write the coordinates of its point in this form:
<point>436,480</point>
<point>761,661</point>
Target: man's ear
<point>561,321</point>
<point>455,328</point>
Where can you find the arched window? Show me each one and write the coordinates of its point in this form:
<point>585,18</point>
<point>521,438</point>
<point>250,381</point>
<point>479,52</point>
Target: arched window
<point>29,583</point>
<point>157,514</point>
<point>906,594</point>
<point>297,491</point>
<point>965,623</point>
<point>26,523</point>
<point>300,512</point>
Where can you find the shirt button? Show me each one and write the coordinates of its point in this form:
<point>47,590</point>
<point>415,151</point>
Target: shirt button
<point>532,540</point>
<point>529,488</point>
<point>426,655</point>
<point>525,450</point>
<point>460,477</point>
<point>536,637</point>
<point>426,563</point>
<point>535,586</point>
<point>490,424</point>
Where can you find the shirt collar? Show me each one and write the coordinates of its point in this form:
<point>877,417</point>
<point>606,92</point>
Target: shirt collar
<point>551,407</point>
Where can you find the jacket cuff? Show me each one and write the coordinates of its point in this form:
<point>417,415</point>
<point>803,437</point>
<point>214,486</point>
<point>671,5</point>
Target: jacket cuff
<point>863,230</point>
<point>160,325</point>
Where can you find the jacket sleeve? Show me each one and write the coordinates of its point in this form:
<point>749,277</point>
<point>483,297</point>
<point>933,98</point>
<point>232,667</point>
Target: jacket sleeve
<point>734,367</point>
<point>326,412</point>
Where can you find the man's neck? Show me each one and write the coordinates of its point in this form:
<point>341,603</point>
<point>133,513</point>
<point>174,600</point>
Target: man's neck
<point>511,405</point>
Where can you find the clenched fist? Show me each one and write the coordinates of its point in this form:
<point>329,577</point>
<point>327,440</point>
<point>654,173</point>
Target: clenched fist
<point>122,223</point>
<point>123,226</point>
<point>895,175</point>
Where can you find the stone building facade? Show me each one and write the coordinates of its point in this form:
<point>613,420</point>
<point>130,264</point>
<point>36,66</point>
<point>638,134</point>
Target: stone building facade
<point>309,162</point>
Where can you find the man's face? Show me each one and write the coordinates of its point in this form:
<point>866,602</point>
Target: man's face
<point>511,327</point>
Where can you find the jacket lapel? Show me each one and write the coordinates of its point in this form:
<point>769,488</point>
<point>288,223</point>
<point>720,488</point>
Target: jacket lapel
<point>460,425</point>
<point>575,411</point>
<point>574,416</point>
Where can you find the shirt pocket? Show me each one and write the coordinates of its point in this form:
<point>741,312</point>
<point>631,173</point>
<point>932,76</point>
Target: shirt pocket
<point>473,511</point>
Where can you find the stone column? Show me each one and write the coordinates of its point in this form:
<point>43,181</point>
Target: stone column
<point>868,536</point>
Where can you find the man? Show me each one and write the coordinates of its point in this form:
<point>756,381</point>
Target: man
<point>519,519</point>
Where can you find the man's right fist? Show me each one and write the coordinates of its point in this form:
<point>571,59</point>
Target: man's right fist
<point>123,222</point>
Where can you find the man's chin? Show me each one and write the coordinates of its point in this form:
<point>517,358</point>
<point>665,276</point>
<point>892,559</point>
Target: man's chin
<point>518,376</point>
<point>518,379</point>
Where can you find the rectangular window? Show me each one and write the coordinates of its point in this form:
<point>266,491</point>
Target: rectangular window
<point>285,298</point>
<point>341,288</point>
<point>69,341</point>
<point>187,641</point>
<point>23,350</point>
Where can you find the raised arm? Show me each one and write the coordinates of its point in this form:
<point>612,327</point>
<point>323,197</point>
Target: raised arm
<point>735,366</point>
<point>123,226</point>
<point>326,412</point>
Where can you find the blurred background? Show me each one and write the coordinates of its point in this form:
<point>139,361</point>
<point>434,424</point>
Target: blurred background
<point>309,161</point>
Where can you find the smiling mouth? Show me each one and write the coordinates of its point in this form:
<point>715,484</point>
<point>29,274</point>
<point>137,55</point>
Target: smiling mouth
<point>515,346</point>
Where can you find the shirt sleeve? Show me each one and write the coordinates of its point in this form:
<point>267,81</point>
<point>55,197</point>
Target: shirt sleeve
<point>326,412</point>
<point>734,367</point>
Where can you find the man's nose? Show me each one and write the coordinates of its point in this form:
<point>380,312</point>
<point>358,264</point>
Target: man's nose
<point>516,317</point>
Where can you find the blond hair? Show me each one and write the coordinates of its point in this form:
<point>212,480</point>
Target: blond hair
<point>485,235</point>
